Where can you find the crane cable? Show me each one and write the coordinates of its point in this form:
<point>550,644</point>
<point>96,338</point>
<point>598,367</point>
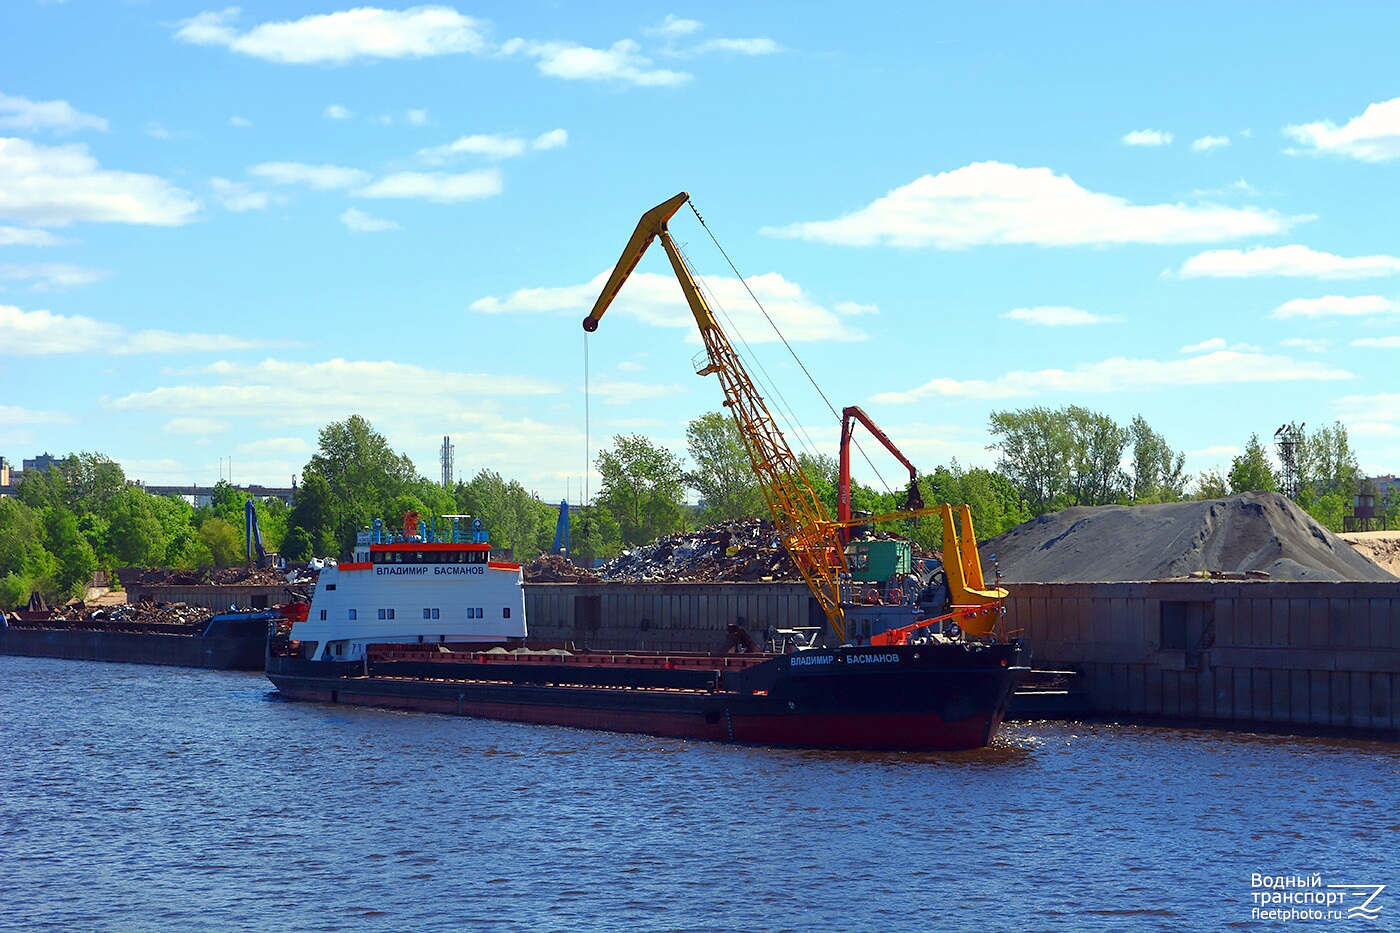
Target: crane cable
<point>791,351</point>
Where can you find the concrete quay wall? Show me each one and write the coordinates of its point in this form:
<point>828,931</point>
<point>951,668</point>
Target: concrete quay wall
<point>1238,653</point>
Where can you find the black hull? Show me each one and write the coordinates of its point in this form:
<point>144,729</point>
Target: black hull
<point>912,697</point>
<point>233,646</point>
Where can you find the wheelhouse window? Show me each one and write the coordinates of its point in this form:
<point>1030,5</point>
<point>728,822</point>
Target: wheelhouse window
<point>354,614</point>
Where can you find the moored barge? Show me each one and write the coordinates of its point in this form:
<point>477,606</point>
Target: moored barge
<point>428,622</point>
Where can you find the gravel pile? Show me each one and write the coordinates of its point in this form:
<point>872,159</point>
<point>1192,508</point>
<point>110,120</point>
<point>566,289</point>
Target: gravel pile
<point>1256,535</point>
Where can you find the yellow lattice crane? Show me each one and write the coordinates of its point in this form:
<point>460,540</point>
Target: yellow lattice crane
<point>807,531</point>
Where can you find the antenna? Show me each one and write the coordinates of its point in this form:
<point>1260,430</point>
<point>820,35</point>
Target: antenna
<point>447,451</point>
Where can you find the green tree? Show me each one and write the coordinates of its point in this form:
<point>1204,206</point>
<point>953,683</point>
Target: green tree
<point>1329,475</point>
<point>176,517</point>
<point>364,476</point>
<point>1158,471</point>
<point>593,533</point>
<point>73,556</point>
<point>1251,471</point>
<point>1096,457</point>
<point>25,563</point>
<point>138,539</point>
<point>223,541</point>
<point>822,472</point>
<point>92,481</point>
<point>994,500</point>
<point>1211,485</point>
<point>723,474</point>
<point>641,487</point>
<point>509,512</point>
<point>1036,453</point>
<point>311,525</point>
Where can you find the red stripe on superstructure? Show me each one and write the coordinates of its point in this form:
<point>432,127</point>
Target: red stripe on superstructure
<point>428,546</point>
<point>501,565</point>
<point>363,566</point>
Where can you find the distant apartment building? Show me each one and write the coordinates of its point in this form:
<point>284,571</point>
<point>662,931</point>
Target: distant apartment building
<point>1386,486</point>
<point>43,462</point>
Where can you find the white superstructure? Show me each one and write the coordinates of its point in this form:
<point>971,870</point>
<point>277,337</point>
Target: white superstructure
<point>411,589</point>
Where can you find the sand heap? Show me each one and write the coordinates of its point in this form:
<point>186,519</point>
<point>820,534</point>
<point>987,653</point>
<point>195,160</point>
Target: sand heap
<point>1383,547</point>
<point>1251,532</point>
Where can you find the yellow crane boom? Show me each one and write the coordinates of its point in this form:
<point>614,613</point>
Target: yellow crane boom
<point>808,533</point>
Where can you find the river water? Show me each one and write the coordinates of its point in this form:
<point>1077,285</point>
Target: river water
<point>141,798</point>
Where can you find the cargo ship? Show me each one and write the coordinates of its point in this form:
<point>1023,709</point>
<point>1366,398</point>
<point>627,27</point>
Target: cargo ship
<point>427,621</point>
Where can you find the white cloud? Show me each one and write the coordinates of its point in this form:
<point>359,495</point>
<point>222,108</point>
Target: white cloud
<point>43,333</point>
<point>10,414</point>
<point>739,46</point>
<point>1207,143</point>
<point>1205,346</point>
<point>1383,408</point>
<point>294,446</point>
<point>674,27</point>
<point>993,202</point>
<point>656,299</point>
<point>1293,260</point>
<point>238,197</point>
<point>1336,306</point>
<point>21,113</point>
<point>337,112</point>
<point>314,392</point>
<point>494,146</point>
<point>435,186</point>
<point>360,222</point>
<point>20,236</point>
<point>622,392</point>
<point>417,117</point>
<point>158,130</point>
<point>320,177</point>
<point>1056,316</point>
<point>47,276</point>
<point>1378,343</point>
<point>241,122</point>
<point>59,185</point>
<point>1307,344</point>
<point>1218,452</point>
<point>1372,137</point>
<point>623,62</point>
<point>1147,138</point>
<point>342,37</point>
<point>554,139</point>
<point>195,426</point>
<point>855,307</point>
<point>1120,374</point>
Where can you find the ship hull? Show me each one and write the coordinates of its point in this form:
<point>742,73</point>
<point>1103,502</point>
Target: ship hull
<point>915,698</point>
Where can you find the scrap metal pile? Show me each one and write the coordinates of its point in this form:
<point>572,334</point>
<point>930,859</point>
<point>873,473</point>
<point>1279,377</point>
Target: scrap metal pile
<point>225,576</point>
<point>146,617</point>
<point>738,551</point>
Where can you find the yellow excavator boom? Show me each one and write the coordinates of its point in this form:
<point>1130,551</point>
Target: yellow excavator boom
<point>963,568</point>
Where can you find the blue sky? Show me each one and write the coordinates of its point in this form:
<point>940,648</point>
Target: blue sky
<point>224,228</point>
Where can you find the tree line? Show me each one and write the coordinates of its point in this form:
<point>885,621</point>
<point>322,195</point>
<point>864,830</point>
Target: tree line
<point>83,515</point>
